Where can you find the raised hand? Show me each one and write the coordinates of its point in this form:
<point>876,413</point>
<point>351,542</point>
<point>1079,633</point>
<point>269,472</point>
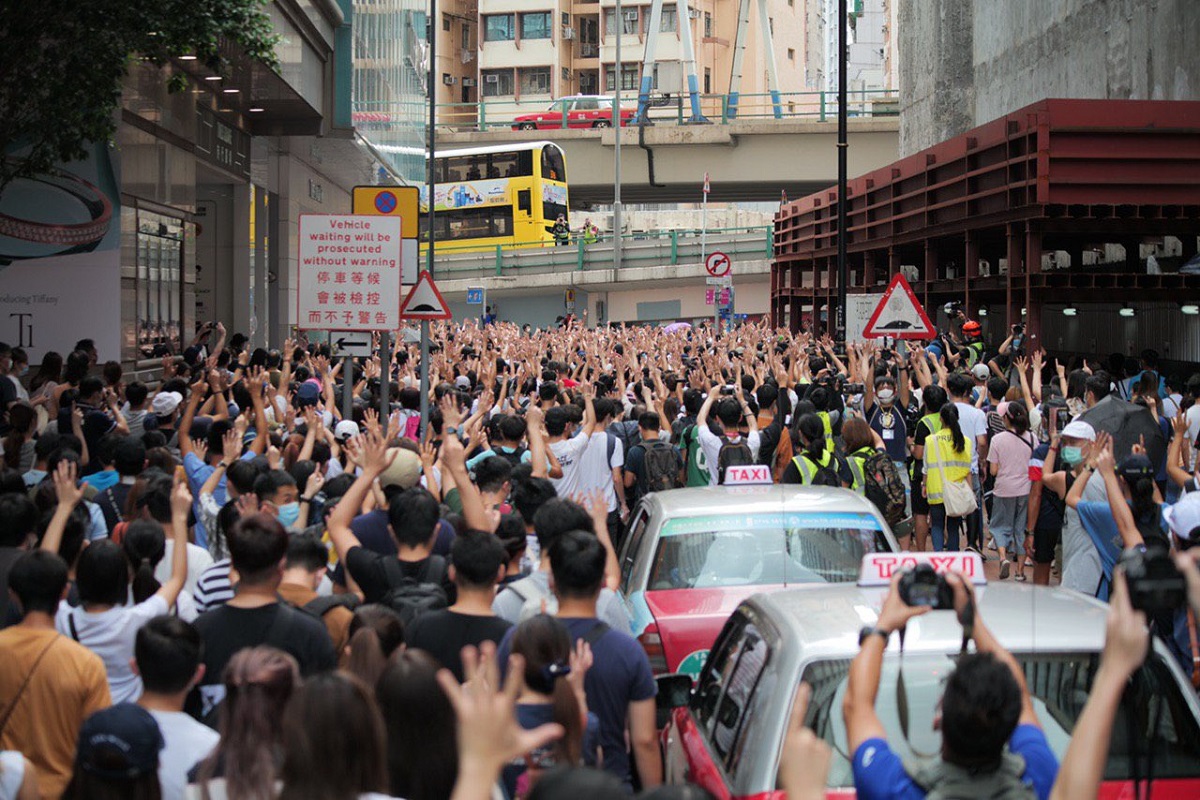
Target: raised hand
<point>375,456</point>
<point>313,484</point>
<point>181,500</point>
<point>231,444</point>
<point>66,488</point>
<point>804,763</point>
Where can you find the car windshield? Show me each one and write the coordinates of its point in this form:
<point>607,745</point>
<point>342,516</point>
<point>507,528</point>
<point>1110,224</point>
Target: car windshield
<point>1153,716</point>
<point>760,549</point>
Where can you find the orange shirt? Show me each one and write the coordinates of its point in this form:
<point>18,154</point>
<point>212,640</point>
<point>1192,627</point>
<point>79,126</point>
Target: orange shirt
<point>67,687</point>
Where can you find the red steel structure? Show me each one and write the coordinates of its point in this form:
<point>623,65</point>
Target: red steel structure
<point>976,214</point>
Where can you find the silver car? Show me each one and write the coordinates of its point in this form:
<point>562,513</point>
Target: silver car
<point>728,735</point>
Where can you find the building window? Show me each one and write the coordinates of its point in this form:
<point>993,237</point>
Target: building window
<point>446,22</point>
<point>771,25</point>
<point>791,54</point>
<point>498,28</point>
<point>566,19</point>
<point>707,80</point>
<point>670,20</point>
<point>707,25</point>
<point>535,25</point>
<point>159,286</point>
<point>535,80</point>
<point>629,78</point>
<point>497,83</point>
<point>466,36</point>
<point>630,15</point>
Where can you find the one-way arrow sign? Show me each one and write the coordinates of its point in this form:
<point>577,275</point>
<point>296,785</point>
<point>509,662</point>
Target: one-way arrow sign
<point>357,344</point>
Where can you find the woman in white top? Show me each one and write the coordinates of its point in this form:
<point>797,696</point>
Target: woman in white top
<point>18,780</point>
<point>105,622</point>
<point>334,741</point>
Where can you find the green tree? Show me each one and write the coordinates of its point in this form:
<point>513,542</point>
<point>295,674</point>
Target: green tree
<point>62,63</point>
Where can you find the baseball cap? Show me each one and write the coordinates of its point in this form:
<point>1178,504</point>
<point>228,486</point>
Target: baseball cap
<point>120,742</point>
<point>1183,518</point>
<point>308,394</point>
<point>980,371</point>
<point>1078,429</point>
<point>462,382</point>
<point>165,403</point>
<point>1134,467</point>
<point>404,470</point>
<point>345,429</point>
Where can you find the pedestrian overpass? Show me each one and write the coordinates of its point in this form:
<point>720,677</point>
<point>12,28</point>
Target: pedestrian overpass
<point>746,159</point>
<point>661,277</point>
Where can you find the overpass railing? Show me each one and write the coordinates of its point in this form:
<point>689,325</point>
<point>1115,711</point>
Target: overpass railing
<point>649,249</point>
<point>494,114</point>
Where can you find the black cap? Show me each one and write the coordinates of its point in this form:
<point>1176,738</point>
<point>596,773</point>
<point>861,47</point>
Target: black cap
<point>120,742</point>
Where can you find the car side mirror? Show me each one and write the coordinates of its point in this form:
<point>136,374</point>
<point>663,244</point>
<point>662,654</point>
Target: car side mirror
<point>674,690</point>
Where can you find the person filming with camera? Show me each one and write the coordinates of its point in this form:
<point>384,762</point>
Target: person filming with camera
<point>992,742</point>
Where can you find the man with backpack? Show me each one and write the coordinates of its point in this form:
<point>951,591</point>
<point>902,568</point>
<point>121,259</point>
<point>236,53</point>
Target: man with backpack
<point>307,561</point>
<point>687,436</point>
<point>653,465</point>
<point>412,581</point>
<point>731,448</point>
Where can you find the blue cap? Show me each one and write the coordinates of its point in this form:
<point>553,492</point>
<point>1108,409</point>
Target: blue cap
<point>308,394</point>
<point>120,742</point>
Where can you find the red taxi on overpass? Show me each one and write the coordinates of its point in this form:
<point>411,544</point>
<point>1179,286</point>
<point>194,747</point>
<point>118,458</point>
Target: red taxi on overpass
<point>693,554</point>
<point>727,734</point>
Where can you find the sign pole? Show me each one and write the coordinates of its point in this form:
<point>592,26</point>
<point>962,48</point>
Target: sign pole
<point>348,387</point>
<point>431,179</point>
<point>385,377</point>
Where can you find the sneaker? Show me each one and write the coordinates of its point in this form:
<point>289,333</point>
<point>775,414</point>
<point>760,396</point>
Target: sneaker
<point>1028,562</point>
<point>1019,577</point>
<point>992,544</point>
<point>1004,568</point>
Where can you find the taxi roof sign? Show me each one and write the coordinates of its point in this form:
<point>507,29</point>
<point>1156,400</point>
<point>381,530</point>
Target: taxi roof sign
<point>748,475</point>
<point>878,568</point>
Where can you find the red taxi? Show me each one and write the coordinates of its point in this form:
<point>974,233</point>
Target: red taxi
<point>727,733</point>
<point>693,554</point>
<point>582,111</point>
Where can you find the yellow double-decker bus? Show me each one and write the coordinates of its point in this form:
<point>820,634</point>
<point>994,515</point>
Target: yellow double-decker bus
<point>507,195</point>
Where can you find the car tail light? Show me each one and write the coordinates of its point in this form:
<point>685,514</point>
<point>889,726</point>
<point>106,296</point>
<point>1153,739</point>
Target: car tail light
<point>652,644</point>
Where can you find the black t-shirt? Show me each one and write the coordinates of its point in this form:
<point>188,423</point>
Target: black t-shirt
<point>227,629</point>
<point>9,613</point>
<point>444,633</point>
<point>112,503</point>
<point>367,569</point>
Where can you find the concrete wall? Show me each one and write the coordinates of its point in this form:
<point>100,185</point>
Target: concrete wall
<point>965,62</point>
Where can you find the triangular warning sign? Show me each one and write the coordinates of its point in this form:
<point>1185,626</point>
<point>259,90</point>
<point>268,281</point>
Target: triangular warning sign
<point>899,314</point>
<point>425,301</point>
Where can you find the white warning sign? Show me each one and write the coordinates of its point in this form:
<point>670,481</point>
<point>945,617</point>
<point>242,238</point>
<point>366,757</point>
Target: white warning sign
<point>899,314</point>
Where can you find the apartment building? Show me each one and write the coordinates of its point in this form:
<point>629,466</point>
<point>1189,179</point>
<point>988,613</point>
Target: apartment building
<point>531,52</point>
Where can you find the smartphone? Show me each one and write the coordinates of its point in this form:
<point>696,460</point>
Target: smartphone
<point>180,473</point>
<point>1061,417</point>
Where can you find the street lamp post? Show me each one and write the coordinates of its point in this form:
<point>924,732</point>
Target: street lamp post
<point>616,122</point>
<point>842,145</point>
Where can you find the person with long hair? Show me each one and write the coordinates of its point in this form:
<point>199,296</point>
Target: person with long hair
<point>106,622</point>
<point>334,742</point>
<point>948,456</point>
<point>933,398</point>
<point>45,380</point>
<point>145,546</point>
<point>117,756</point>
<point>422,756</point>
<point>259,681</point>
<point>76,369</point>
<point>553,692</point>
<point>816,464</point>
<point>19,442</point>
<point>1008,461</point>
<point>376,632</point>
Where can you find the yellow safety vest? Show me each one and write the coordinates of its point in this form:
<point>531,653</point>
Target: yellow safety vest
<point>824,415</point>
<point>857,461</point>
<point>808,467</point>
<point>939,451</point>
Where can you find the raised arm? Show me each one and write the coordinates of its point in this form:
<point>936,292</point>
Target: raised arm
<point>372,454</point>
<point>454,459</point>
<point>181,504</point>
<point>1106,464</point>
<point>69,494</point>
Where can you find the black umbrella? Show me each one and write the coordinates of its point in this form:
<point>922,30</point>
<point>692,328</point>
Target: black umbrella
<point>1129,424</point>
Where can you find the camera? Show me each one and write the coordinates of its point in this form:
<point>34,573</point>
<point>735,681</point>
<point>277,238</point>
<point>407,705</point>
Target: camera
<point>1018,327</point>
<point>921,585</point>
<point>853,388</point>
<point>1155,583</point>
<point>953,308</point>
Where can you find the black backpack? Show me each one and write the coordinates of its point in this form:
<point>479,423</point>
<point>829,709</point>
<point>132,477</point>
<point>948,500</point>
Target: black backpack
<point>733,454</point>
<point>660,467</point>
<point>410,597</point>
<point>514,457</point>
<point>320,606</point>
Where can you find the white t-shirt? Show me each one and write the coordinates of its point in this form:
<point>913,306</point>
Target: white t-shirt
<point>186,743</point>
<point>596,466</point>
<point>567,452</point>
<point>110,634</point>
<point>1193,430</point>
<point>198,560</point>
<point>974,424</point>
<point>12,773</point>
<point>710,443</point>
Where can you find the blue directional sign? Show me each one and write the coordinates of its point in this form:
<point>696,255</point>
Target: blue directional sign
<point>475,297</point>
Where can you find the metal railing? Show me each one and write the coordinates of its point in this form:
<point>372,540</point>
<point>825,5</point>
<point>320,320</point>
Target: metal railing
<point>639,249</point>
<point>499,114</point>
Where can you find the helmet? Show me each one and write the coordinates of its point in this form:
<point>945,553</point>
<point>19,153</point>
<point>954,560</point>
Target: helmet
<point>971,328</point>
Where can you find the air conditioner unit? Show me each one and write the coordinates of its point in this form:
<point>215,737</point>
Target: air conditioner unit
<point>448,80</point>
<point>468,82</point>
<point>568,33</point>
<point>491,78</point>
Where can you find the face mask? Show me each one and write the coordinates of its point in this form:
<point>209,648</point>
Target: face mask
<point>24,371</point>
<point>1072,455</point>
<point>289,513</point>
<point>886,396</point>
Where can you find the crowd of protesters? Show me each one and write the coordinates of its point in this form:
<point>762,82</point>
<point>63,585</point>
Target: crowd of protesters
<point>220,587</point>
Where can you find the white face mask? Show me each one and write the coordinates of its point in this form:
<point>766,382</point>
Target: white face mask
<point>886,396</point>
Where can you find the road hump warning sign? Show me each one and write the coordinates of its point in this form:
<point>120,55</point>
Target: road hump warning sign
<point>425,301</point>
<point>899,314</point>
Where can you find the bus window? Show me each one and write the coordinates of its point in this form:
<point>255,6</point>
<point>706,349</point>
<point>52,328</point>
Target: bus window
<point>552,164</point>
<point>503,165</point>
<point>523,201</point>
<point>477,223</point>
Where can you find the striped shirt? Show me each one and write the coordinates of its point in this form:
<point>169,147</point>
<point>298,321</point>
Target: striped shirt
<point>213,587</point>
